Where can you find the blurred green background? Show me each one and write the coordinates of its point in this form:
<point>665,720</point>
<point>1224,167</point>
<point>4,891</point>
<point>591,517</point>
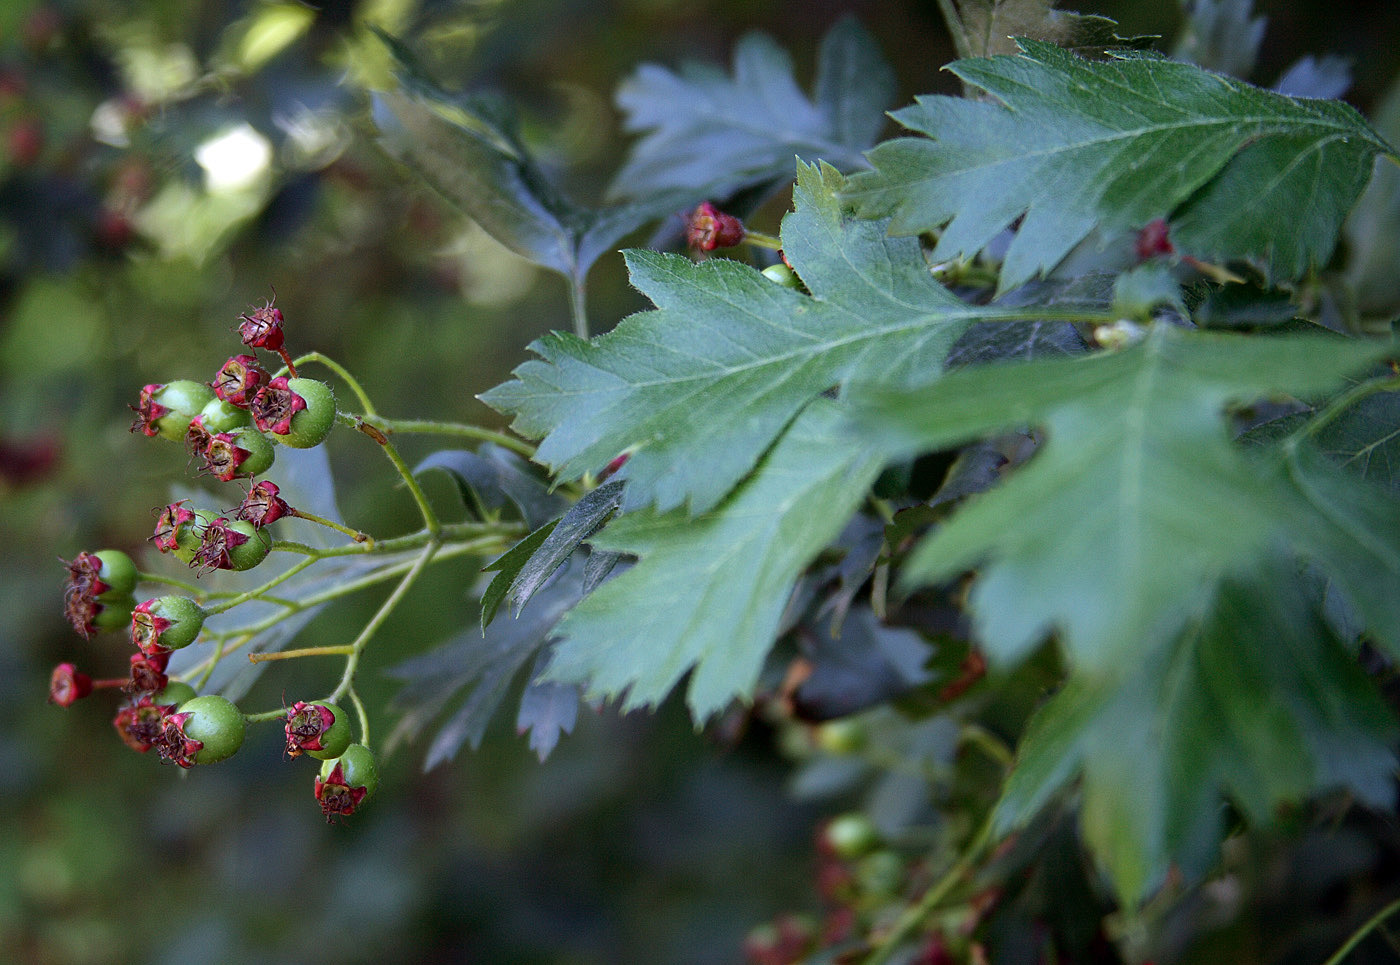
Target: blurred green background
<point>127,251</point>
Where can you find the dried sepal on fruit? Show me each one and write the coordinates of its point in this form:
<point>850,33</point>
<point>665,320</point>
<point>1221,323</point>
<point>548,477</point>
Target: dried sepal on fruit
<point>147,673</point>
<point>97,594</point>
<point>180,530</point>
<point>230,545</point>
<point>295,412</point>
<point>239,379</point>
<point>262,505</point>
<point>203,730</point>
<point>263,328</point>
<point>317,729</point>
<point>348,782</point>
<point>242,452</point>
<point>140,722</point>
<point>166,409</point>
<point>165,623</point>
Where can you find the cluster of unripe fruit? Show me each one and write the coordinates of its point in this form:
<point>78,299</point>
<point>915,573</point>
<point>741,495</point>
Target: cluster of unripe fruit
<point>232,424</point>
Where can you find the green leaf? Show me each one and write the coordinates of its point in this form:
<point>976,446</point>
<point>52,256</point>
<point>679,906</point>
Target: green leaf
<point>507,567</point>
<point>581,521</point>
<point>1366,439</point>
<point>710,134</point>
<point>1116,530</point>
<point>1260,703</point>
<point>708,592</point>
<point>467,150</point>
<point>700,387</point>
<point>475,669</point>
<point>1073,145</point>
<point>493,476</point>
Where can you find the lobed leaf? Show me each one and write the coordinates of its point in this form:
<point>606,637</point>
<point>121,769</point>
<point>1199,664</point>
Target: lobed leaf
<point>1138,502</point>
<point>698,388</point>
<point>1260,703</point>
<point>1073,145</point>
<point>708,592</point>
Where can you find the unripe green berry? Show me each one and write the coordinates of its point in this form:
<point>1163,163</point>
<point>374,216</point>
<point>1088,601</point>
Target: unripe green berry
<point>166,623</point>
<point>317,729</point>
<point>347,782</point>
<point>219,416</point>
<point>203,730</point>
<point>311,425</point>
<point>841,736</point>
<point>176,692</point>
<point>184,399</point>
<point>881,873</point>
<point>114,614</point>
<point>783,275</point>
<point>247,555</point>
<point>851,835</point>
<point>118,572</point>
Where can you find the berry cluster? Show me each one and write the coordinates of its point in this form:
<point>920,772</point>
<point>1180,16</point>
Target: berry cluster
<point>233,425</point>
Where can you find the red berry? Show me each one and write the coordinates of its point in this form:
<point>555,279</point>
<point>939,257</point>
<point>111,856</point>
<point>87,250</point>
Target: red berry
<point>263,328</point>
<point>67,685</point>
<point>709,228</point>
<point>262,505</point>
<point>25,142</point>
<point>1154,240</point>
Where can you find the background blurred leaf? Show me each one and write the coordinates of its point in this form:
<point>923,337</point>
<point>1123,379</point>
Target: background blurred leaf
<point>1222,35</point>
<point>708,134</point>
<point>1260,703</point>
<point>467,150</point>
<point>475,669</point>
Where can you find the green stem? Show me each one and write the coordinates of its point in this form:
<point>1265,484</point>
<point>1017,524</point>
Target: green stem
<point>760,240</point>
<point>955,28</point>
<point>364,717</point>
<point>447,534</point>
<point>354,534</point>
<point>578,307</point>
<point>345,589</point>
<point>1371,925</point>
<point>975,735</point>
<point>387,607</point>
<point>345,376</point>
<point>344,650</point>
<point>916,915</point>
<point>429,427</point>
<point>280,714</point>
<point>258,591</point>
